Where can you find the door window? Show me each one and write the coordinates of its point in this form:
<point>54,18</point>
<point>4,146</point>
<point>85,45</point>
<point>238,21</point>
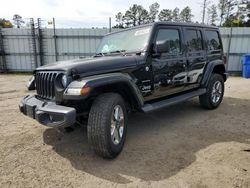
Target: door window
<point>194,40</point>
<point>172,36</point>
<point>213,41</point>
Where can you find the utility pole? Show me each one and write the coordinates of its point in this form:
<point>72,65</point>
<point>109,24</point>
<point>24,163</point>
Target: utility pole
<point>55,38</point>
<point>110,24</point>
<point>204,10</point>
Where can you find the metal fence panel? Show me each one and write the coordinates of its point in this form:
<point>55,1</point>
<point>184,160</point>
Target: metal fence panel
<point>72,43</point>
<point>240,44</point>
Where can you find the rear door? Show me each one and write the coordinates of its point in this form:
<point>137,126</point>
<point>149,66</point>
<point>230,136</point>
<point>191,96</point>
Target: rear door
<point>169,69</point>
<point>196,56</point>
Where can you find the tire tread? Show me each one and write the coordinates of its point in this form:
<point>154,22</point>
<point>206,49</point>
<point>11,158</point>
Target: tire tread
<point>204,99</point>
<point>97,122</point>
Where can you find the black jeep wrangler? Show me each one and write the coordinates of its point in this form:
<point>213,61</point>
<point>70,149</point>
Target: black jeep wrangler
<point>143,69</point>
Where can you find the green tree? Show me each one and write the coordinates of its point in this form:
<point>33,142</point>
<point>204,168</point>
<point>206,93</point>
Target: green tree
<point>142,16</point>
<point>243,12</point>
<point>176,14</point>
<point>18,21</point>
<point>222,7</point>
<point>5,23</point>
<point>153,11</point>
<point>136,15</point>
<point>230,6</point>
<point>166,15</point>
<point>129,17</point>
<point>186,14</point>
<point>233,21</point>
<point>212,14</point>
<point>239,17</point>
<point>227,8</point>
<point>247,23</point>
<point>119,20</point>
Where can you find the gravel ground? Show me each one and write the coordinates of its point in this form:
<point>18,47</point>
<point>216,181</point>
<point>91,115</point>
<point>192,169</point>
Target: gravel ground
<point>180,146</point>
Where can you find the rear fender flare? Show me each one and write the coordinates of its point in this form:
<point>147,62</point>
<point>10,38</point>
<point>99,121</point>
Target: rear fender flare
<point>209,71</point>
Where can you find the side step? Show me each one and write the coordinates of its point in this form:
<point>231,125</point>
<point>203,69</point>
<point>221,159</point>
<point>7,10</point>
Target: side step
<point>171,101</point>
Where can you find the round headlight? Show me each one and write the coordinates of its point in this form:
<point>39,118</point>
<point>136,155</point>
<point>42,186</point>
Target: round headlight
<point>64,81</point>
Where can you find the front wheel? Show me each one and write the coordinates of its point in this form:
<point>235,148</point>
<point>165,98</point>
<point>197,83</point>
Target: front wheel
<point>215,91</point>
<point>107,125</point>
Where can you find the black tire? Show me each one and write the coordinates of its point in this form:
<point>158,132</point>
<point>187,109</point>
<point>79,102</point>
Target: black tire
<point>99,125</point>
<point>206,100</point>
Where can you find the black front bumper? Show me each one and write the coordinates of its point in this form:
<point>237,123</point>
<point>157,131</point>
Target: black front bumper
<point>47,113</point>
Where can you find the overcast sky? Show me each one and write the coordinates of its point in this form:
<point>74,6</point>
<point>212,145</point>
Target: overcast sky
<point>86,13</point>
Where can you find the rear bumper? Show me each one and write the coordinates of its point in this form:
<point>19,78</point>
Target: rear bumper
<point>47,113</point>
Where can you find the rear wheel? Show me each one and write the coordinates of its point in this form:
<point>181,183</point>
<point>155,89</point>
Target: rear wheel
<point>215,91</point>
<point>107,125</point>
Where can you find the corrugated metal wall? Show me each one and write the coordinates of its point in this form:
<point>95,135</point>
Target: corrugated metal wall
<point>72,43</point>
<point>236,42</point>
<point>69,44</point>
<point>17,49</point>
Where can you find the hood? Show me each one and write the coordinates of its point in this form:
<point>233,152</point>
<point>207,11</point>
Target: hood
<point>92,65</point>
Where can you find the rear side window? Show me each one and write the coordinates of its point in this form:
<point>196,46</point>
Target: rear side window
<point>213,41</point>
<point>194,40</point>
<point>173,38</point>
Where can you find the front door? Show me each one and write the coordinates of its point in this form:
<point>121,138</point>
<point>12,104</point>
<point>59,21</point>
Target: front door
<point>169,69</point>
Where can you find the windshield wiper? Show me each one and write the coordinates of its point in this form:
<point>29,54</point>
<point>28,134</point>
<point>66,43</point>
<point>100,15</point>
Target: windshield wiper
<point>122,52</point>
<point>99,54</point>
<point>118,51</point>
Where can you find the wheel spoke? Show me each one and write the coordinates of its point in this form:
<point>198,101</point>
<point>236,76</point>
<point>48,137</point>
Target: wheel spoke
<point>113,136</point>
<point>116,136</point>
<point>220,89</point>
<point>217,85</point>
<point>120,115</point>
<point>216,91</point>
<point>121,131</point>
<point>112,130</point>
<point>117,124</point>
<point>116,114</point>
<point>214,98</point>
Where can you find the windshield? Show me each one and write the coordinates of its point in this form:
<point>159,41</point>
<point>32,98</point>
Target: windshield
<point>126,41</point>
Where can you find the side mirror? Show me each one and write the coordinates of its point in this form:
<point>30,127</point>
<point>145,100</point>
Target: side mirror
<point>162,46</point>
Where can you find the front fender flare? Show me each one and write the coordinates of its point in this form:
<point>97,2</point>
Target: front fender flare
<point>97,81</point>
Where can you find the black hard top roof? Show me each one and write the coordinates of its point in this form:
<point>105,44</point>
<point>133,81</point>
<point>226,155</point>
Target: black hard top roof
<point>154,24</point>
<point>184,24</point>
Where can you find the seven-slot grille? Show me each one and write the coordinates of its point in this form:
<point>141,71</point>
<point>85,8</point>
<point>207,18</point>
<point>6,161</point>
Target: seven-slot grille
<point>45,84</point>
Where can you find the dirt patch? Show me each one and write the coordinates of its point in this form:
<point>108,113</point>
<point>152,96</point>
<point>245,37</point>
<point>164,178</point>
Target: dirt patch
<point>180,146</point>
